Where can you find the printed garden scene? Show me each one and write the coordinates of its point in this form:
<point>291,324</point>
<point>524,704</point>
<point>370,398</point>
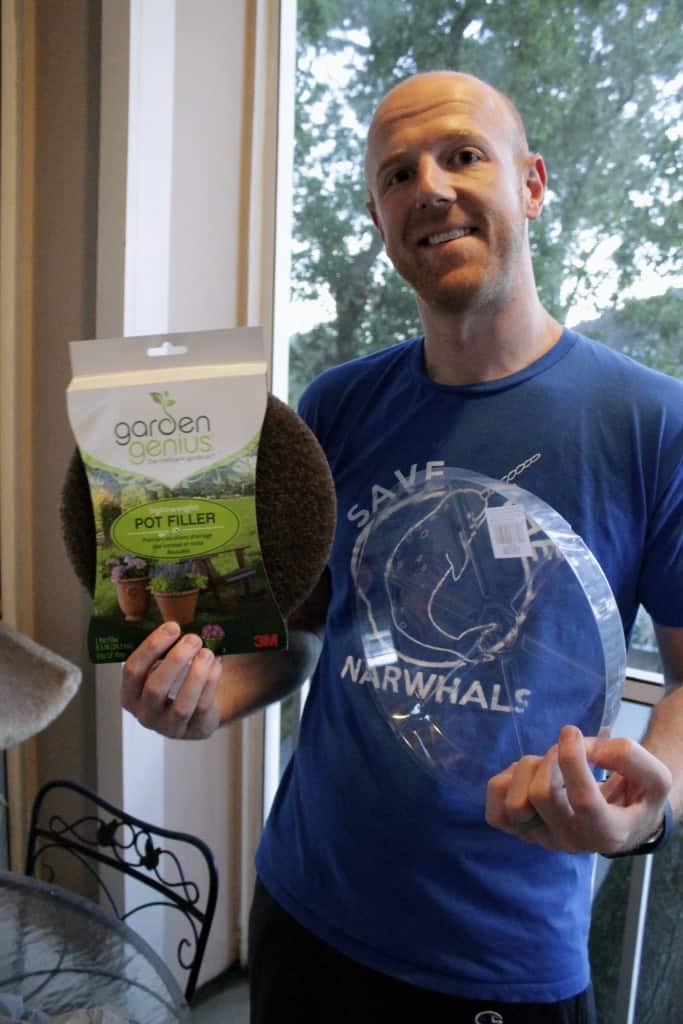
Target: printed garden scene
<point>223,595</point>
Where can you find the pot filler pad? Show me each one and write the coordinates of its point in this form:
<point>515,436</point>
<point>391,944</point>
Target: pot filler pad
<point>168,429</point>
<point>486,624</point>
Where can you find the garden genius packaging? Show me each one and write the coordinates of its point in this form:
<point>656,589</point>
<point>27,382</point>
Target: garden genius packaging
<point>168,430</point>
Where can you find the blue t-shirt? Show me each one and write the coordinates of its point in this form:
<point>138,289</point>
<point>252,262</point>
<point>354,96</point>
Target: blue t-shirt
<point>371,854</point>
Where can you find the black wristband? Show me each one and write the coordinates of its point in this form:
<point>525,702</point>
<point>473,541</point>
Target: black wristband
<point>650,845</point>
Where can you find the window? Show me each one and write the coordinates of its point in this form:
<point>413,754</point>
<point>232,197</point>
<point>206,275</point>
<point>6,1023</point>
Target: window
<point>637,927</point>
<point>4,848</point>
<point>599,86</point>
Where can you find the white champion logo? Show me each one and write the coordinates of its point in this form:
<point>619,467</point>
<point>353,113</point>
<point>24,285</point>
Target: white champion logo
<point>488,1017</point>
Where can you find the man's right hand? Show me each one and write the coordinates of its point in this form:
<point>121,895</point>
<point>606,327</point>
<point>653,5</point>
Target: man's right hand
<point>172,687</point>
<point>183,691</point>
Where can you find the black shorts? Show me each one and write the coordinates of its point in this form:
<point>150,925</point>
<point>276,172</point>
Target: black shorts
<point>295,978</point>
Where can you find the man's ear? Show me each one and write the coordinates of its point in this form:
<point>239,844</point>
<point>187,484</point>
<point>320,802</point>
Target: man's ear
<point>372,210</point>
<point>534,186</point>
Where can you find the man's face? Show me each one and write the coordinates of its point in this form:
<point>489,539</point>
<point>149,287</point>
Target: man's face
<point>451,190</point>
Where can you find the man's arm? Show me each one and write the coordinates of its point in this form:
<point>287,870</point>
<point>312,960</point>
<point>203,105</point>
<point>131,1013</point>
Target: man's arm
<point>179,689</point>
<point>664,735</point>
<point>554,800</point>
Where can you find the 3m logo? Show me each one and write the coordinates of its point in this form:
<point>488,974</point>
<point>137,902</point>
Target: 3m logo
<point>266,640</point>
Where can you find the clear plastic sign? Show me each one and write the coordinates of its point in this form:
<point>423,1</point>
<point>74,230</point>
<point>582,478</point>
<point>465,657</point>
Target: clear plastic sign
<point>486,625</point>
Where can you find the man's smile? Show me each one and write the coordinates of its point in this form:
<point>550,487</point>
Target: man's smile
<point>438,238</point>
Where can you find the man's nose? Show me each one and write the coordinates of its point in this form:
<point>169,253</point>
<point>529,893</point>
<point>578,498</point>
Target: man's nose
<point>434,184</point>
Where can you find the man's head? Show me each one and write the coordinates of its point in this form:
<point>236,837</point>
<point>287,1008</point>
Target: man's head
<point>452,186</point>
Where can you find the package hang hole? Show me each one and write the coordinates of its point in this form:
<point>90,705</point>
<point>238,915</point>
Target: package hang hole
<point>167,348</point>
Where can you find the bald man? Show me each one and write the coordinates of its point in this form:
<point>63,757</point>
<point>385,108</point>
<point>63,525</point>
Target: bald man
<point>384,895</point>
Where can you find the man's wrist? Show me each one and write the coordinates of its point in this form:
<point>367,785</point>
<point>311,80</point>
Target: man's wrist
<point>657,841</point>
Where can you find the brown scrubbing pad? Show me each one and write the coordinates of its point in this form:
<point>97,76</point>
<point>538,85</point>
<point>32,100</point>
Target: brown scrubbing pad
<point>295,505</point>
<point>78,523</point>
<point>295,509</point>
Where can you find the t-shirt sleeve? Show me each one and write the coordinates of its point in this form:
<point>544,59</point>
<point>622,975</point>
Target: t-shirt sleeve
<point>661,579</point>
<point>306,405</point>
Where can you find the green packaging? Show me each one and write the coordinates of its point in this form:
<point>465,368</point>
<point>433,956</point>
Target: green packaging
<point>168,428</point>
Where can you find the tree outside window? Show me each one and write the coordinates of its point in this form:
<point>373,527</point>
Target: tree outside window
<point>599,86</point>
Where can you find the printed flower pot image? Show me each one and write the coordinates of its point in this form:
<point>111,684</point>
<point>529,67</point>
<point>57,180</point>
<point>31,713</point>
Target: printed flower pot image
<point>176,591</point>
<point>213,636</point>
<point>213,644</point>
<point>130,576</point>
<point>133,598</point>
<point>177,607</point>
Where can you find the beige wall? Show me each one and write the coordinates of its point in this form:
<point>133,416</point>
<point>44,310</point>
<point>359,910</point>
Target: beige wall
<point>65,238</point>
<point>71,108</point>
<point>50,103</point>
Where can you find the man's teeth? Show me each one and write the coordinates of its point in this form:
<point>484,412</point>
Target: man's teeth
<point>447,236</point>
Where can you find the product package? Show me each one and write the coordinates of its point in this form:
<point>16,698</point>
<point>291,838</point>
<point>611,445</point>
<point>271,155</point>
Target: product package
<point>168,429</point>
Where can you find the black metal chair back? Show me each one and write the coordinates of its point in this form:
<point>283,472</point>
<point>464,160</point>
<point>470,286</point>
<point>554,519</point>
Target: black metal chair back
<point>156,857</point>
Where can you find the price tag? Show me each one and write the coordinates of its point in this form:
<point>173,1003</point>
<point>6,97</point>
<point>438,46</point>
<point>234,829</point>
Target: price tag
<point>508,532</point>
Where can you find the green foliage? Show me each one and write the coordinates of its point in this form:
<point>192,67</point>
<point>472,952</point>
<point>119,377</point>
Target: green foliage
<point>588,77</point>
<point>648,330</point>
<point>109,512</point>
<point>132,495</point>
<point>172,580</point>
<point>100,497</point>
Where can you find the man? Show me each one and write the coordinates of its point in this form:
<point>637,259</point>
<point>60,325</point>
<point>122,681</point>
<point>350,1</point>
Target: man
<point>383,893</point>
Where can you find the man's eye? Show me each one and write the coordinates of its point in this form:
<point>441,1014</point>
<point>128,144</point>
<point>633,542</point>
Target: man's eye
<point>465,157</point>
<point>398,176</point>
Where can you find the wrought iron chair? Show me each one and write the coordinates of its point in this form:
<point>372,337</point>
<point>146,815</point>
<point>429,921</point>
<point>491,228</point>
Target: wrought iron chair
<point>109,836</point>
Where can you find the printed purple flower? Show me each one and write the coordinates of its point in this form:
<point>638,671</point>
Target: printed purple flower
<point>212,631</point>
<point>127,567</point>
<point>134,562</point>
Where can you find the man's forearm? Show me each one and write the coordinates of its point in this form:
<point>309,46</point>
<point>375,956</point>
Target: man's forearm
<point>250,681</point>
<point>664,735</point>
<point>664,739</point>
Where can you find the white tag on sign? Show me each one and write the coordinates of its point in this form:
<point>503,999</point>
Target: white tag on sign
<point>508,532</point>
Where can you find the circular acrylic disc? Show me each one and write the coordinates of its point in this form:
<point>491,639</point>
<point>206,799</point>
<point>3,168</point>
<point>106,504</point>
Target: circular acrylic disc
<point>486,624</point>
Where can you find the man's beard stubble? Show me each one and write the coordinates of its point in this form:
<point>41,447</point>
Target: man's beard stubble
<point>492,284</point>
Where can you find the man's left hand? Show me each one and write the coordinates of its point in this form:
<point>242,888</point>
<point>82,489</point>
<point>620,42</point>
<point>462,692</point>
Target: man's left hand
<point>556,802</point>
